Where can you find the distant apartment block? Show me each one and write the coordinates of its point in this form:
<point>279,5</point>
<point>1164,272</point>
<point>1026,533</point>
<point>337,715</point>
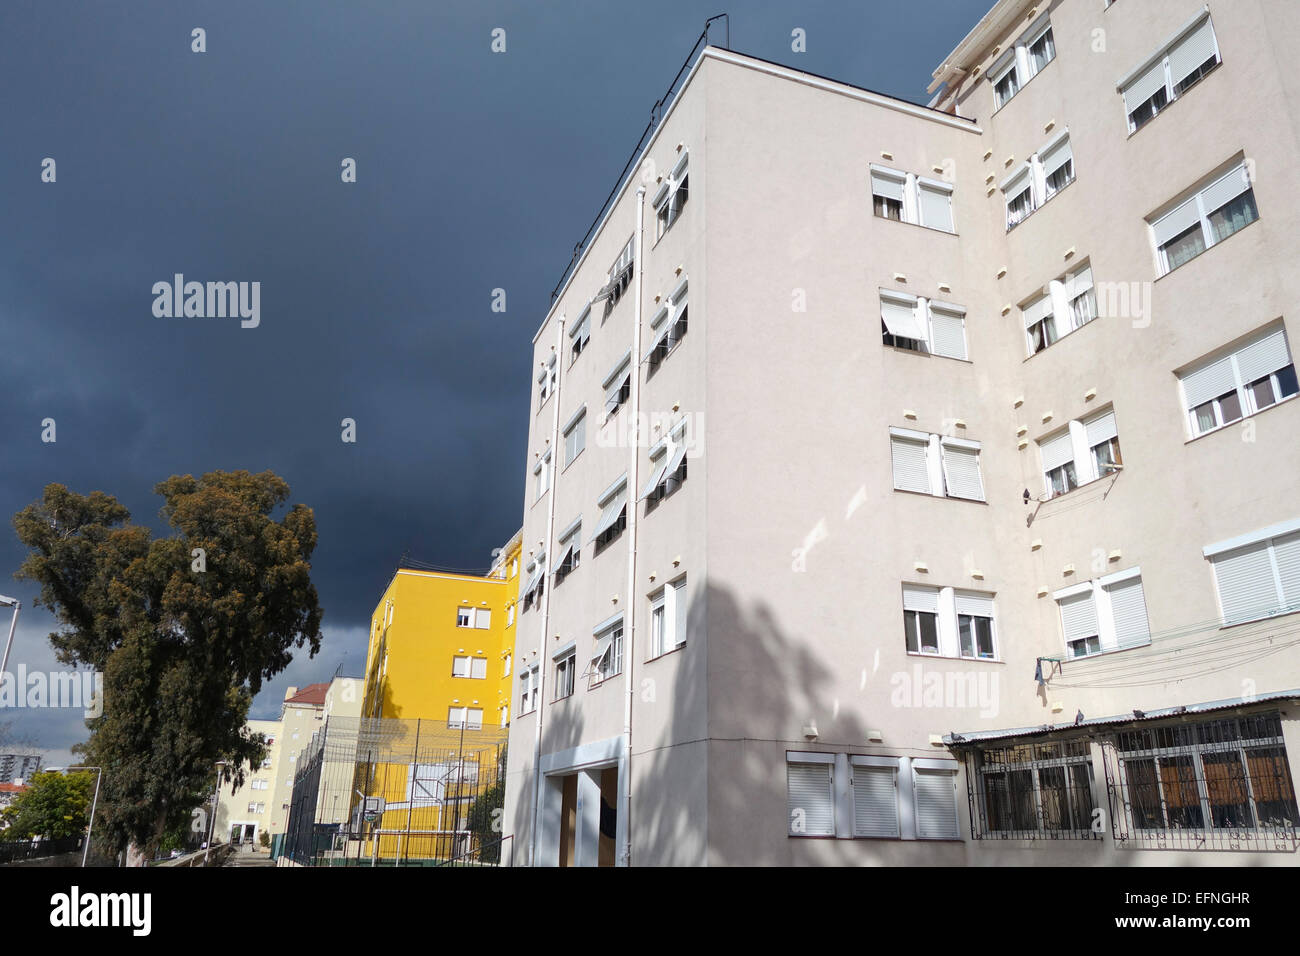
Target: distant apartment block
<point>919,485</point>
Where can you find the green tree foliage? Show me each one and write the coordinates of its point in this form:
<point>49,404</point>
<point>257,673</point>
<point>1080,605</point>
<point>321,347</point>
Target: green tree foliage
<point>53,806</point>
<point>184,628</point>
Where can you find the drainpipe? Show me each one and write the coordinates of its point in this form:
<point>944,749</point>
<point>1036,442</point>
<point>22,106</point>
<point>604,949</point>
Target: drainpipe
<point>633,485</point>
<point>546,592</point>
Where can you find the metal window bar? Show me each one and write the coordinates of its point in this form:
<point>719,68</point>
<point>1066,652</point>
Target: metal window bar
<point>1032,791</point>
<point>1214,785</point>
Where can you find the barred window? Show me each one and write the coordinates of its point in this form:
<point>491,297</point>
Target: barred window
<point>1032,791</point>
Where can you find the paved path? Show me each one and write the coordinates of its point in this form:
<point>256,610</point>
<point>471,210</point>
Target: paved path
<point>244,858</point>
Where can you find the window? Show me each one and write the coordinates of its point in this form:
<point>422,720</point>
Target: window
<point>1252,377</point>
<point>505,666</point>
<point>546,382</point>
<point>875,797</point>
<point>922,325</point>
<point>1179,64</point>
<point>607,660</point>
<point>810,794</point>
<point>921,619</point>
<point>618,385</point>
<point>1229,774</point>
<point>565,665</point>
<point>613,514</point>
<point>510,616</point>
<point>259,785</point>
<point>464,617</point>
<point>1020,64</point>
<point>620,277</point>
<point>478,668</point>
<point>1108,614</point>
<point>1258,575</point>
<point>252,808</point>
<point>935,791</point>
<point>671,198</point>
<point>934,465</point>
<point>575,436</point>
<point>667,466</point>
<point>1211,215</point>
<point>477,617</point>
<point>668,619</point>
<point>460,667</point>
<point>1034,791</point>
<point>906,197</point>
<point>670,324</point>
<point>542,474</point>
<point>464,718</point>
<point>580,335</point>
<point>946,622</point>
<point>1083,452</point>
<point>570,550</point>
<point>1041,177</point>
<point>529,686</point>
<point>975,624</point>
<point>455,718</point>
<point>536,586</point>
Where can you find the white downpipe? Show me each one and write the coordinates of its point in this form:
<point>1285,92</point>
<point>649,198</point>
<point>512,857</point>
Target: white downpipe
<point>546,586</point>
<point>633,488</point>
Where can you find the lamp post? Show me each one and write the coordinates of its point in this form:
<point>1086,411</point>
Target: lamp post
<point>90,827</point>
<point>13,624</point>
<point>216,793</point>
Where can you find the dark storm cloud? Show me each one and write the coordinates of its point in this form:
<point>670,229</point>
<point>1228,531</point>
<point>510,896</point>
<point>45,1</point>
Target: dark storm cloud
<point>475,171</point>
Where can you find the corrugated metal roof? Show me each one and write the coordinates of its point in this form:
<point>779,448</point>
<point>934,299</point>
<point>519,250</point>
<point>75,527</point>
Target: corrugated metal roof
<point>1129,718</point>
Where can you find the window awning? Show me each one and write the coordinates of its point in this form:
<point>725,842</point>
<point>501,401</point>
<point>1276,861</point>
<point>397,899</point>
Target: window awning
<point>663,333</point>
<point>603,646</point>
<point>655,478</point>
<point>533,581</point>
<point>564,558</point>
<point>901,320</point>
<point>610,515</point>
<point>679,455</point>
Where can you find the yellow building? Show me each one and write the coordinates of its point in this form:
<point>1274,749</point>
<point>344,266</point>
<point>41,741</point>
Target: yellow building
<point>436,704</point>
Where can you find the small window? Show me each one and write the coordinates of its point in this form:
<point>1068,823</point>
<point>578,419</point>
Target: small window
<point>460,667</point>
<point>1106,614</point>
<point>464,617</point>
<point>1069,304</point>
<point>564,675</point>
<point>1043,175</point>
<point>478,668</point>
<point>580,335</point>
<point>546,382</point>
<point>1251,378</point>
<point>570,551</point>
<point>906,197</point>
<point>670,324</point>
<point>671,198</point>
<point>668,619</point>
<point>668,466</point>
<point>542,475</point>
<point>810,794</point>
<point>1025,60</point>
<point>613,515</point>
<point>607,661</point>
<point>921,619</point>
<point>1244,575</point>
<point>575,437</point>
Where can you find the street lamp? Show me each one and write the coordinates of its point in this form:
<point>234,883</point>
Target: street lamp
<point>216,793</point>
<point>90,827</point>
<point>13,624</point>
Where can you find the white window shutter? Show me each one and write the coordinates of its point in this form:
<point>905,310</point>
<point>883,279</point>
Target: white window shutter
<point>1078,283</point>
<point>911,472</point>
<point>961,468</point>
<point>1100,429</point>
<point>948,333</point>
<point>1209,381</point>
<point>1145,86</point>
<point>1056,451</point>
<point>1176,221</point>
<point>1223,191</point>
<point>478,668</point>
<point>900,319</point>
<point>1056,157</point>
<point>974,603</point>
<point>1128,609</point>
<point>936,208</point>
<point>1286,550</point>
<point>886,185</point>
<point>1263,357</point>
<point>1193,50</point>
<point>917,598</point>
<point>875,802</point>
<point>811,806</point>
<point>936,805</point>
<point>1078,616</point>
<point>679,614</point>
<point>1245,580</point>
<point>1037,310</point>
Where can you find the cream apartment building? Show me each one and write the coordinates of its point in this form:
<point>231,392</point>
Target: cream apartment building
<point>963,524</point>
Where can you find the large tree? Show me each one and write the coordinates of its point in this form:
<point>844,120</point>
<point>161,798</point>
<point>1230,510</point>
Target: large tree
<point>184,629</point>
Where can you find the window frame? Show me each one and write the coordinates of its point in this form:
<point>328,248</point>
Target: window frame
<point>672,196</point>
<point>1171,91</point>
<point>1242,391</point>
<point>1208,239</point>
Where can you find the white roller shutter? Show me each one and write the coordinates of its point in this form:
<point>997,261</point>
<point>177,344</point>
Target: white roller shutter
<point>679,614</point>
<point>936,805</point>
<point>1100,429</point>
<point>1176,221</point>
<point>875,802</point>
<point>889,186</point>
<point>961,469</point>
<point>1223,191</point>
<point>901,319</point>
<point>1263,356</point>
<point>917,598</point>
<point>1128,609</point>
<point>936,207</point>
<point>1286,550</point>
<point>1193,50</point>
<point>811,807</point>
<point>1056,451</point>
<point>1077,284</point>
<point>1145,86</point>
<point>948,333</point>
<point>1209,381</point>
<point>1056,156</point>
<point>1078,616</point>
<point>1245,580</point>
<point>1037,310</point>
<point>910,470</point>
<point>974,603</point>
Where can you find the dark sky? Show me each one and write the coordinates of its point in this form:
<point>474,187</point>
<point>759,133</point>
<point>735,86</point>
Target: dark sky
<point>475,170</point>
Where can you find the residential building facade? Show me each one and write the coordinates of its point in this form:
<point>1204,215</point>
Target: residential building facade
<point>917,485</point>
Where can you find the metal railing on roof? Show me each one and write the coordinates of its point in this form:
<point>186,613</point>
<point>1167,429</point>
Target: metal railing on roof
<point>656,116</point>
